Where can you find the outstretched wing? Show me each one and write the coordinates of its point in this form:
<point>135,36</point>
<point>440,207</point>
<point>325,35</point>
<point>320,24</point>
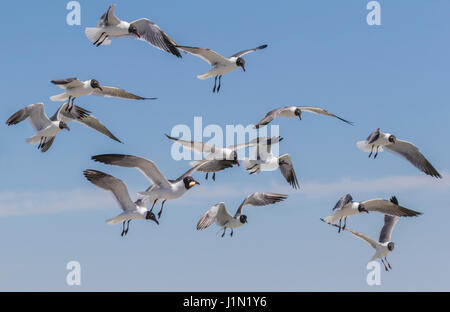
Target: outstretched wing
<point>35,112</point>
<point>207,55</point>
<point>112,184</point>
<point>321,111</point>
<point>387,207</point>
<point>154,35</point>
<point>145,166</point>
<point>269,117</point>
<point>68,83</point>
<point>118,93</point>
<point>218,214</point>
<point>386,231</point>
<point>411,153</point>
<point>195,146</point>
<point>260,199</point>
<point>288,172</point>
<point>108,18</point>
<point>346,199</point>
<point>242,53</point>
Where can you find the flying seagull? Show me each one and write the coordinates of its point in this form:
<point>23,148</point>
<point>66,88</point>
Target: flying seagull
<point>218,214</point>
<point>219,158</point>
<point>162,188</point>
<point>144,29</point>
<point>76,88</point>
<point>131,211</point>
<point>346,207</point>
<point>45,127</point>
<point>378,140</point>
<point>295,111</point>
<point>384,245</point>
<point>221,65</point>
<point>264,160</point>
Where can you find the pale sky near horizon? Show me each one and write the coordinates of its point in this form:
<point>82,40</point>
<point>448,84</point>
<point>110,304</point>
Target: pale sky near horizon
<point>320,53</point>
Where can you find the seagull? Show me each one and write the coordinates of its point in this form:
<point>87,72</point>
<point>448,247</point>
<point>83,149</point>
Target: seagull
<point>222,218</point>
<point>76,88</point>
<point>384,245</point>
<point>378,140</point>
<point>219,158</point>
<point>162,188</point>
<point>295,111</point>
<point>131,211</point>
<point>221,64</point>
<point>46,128</point>
<point>144,29</point>
<point>346,207</point>
<point>266,161</point>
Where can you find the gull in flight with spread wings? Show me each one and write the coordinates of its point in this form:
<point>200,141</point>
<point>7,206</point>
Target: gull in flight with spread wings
<point>221,65</point>
<point>218,214</point>
<point>144,29</point>
<point>131,210</point>
<point>378,140</point>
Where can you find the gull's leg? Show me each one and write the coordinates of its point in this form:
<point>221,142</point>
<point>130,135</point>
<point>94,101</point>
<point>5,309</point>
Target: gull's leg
<point>40,143</point>
<point>385,267</point>
<point>215,83</point>
<point>389,265</point>
<point>162,206</point>
<point>345,223</point>
<point>224,230</point>
<point>206,177</point>
<point>128,227</point>
<point>123,229</point>
<point>101,35</point>
<point>156,200</point>
<point>231,234</point>
<point>68,106</point>
<point>376,154</point>
<point>214,176</point>
<point>340,227</point>
<point>71,106</point>
<point>101,42</point>
<point>220,83</point>
<point>371,151</point>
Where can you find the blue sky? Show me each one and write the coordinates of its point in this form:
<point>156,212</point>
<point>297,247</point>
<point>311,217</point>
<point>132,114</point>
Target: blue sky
<point>321,53</point>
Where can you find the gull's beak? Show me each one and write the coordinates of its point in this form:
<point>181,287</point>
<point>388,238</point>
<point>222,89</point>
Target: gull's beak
<point>300,117</point>
<point>193,183</point>
<point>285,163</point>
<point>243,68</point>
<point>153,218</point>
<point>137,34</point>
<point>67,127</point>
<point>101,89</point>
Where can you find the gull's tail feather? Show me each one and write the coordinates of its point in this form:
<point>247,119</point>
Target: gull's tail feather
<point>59,97</point>
<point>94,33</point>
<point>206,75</point>
<point>330,220</point>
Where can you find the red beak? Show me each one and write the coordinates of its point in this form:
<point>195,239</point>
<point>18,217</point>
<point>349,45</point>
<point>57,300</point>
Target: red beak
<point>243,68</point>
<point>101,89</point>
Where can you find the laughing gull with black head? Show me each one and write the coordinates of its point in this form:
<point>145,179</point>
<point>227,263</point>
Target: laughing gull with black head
<point>219,158</point>
<point>221,65</point>
<point>162,188</point>
<point>76,88</point>
<point>131,210</point>
<point>144,29</point>
<point>378,140</point>
<point>295,111</point>
<point>218,214</point>
<point>346,207</point>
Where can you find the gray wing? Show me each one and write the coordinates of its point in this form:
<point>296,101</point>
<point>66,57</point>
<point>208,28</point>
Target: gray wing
<point>151,33</point>
<point>242,53</point>
<point>207,55</point>
<point>346,199</point>
<point>67,83</point>
<point>321,111</point>
<point>108,18</point>
<point>35,112</point>
<point>373,136</point>
<point>287,170</point>
<point>269,117</point>
<point>94,123</point>
<point>260,199</point>
<point>386,231</point>
<point>65,115</point>
<point>145,166</point>
<point>258,141</point>
<point>387,207</point>
<point>360,235</point>
<point>218,214</point>
<point>214,165</point>
<point>112,184</point>
<point>411,153</point>
<point>197,167</point>
<point>118,93</point>
<point>196,146</point>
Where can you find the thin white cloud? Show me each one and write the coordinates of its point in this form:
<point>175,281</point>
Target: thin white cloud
<point>31,203</point>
